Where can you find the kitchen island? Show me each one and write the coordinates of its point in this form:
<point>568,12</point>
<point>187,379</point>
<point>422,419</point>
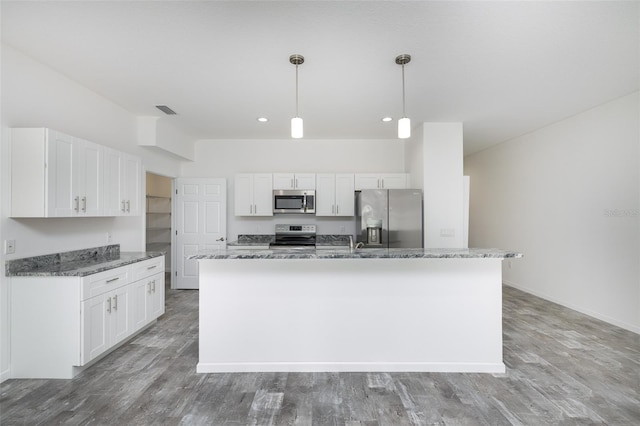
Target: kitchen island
<point>341,310</point>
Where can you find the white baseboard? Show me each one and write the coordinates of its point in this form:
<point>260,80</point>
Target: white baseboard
<point>596,315</point>
<point>322,367</point>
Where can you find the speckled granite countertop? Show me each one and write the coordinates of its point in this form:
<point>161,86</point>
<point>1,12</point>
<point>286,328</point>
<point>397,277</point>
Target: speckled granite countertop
<point>345,253</point>
<point>78,263</point>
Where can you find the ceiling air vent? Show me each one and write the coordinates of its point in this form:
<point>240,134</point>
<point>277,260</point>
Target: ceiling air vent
<point>166,109</point>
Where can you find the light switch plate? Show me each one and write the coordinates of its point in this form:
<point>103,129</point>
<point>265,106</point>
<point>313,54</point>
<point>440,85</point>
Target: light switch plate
<point>9,246</point>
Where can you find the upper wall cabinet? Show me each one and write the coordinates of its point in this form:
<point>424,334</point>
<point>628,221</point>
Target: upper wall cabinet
<point>253,194</point>
<point>381,181</point>
<point>57,175</point>
<point>122,176</point>
<point>335,194</point>
<point>294,181</point>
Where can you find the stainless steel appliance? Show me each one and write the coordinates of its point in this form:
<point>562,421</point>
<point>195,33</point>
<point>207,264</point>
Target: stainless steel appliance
<point>294,236</point>
<point>389,218</point>
<point>294,201</point>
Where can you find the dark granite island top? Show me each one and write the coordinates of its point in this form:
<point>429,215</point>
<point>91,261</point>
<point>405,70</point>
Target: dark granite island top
<point>368,253</point>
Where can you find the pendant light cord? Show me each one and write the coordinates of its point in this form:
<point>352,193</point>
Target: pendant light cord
<point>403,95</point>
<point>297,91</point>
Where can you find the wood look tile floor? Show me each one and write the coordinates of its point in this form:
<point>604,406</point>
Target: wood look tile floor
<point>563,368</point>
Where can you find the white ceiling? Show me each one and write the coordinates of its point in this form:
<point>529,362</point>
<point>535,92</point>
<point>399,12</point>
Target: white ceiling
<point>503,68</point>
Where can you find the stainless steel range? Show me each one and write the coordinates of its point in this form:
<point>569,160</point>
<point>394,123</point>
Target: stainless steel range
<point>294,237</point>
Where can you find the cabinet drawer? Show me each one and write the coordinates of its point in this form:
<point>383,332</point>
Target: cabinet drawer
<point>146,268</point>
<point>102,282</point>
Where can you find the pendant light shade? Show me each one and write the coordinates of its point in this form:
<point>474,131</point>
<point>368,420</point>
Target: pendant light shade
<point>297,130</point>
<point>404,128</point>
<point>404,124</point>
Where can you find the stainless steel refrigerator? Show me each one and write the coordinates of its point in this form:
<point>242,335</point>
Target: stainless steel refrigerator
<point>389,218</point>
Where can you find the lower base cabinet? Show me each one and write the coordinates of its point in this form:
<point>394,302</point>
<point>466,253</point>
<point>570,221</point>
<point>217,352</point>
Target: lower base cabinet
<point>60,325</point>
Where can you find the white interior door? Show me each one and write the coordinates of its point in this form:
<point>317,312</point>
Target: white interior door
<point>200,223</point>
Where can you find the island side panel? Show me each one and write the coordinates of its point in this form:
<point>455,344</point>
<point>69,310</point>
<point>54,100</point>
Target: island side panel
<point>350,315</point>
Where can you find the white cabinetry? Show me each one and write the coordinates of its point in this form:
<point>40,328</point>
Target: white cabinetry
<point>122,183</point>
<point>253,194</point>
<point>294,181</point>
<point>78,319</point>
<point>148,288</point>
<point>55,175</point>
<point>380,181</point>
<point>335,194</point>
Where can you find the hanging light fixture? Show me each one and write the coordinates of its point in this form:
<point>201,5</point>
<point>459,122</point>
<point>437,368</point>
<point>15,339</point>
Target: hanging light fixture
<point>404,124</point>
<point>296,122</point>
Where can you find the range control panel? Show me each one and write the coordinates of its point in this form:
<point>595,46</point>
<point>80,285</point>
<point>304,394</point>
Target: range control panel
<point>295,229</point>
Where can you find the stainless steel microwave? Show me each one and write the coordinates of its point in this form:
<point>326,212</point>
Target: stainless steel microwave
<point>294,201</point>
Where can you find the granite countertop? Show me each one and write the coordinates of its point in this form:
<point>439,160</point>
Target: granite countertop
<point>78,263</point>
<point>367,253</point>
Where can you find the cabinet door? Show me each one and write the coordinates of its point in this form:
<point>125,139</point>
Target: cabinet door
<point>120,322</point>
<point>90,174</point>
<point>140,303</point>
<point>367,181</point>
<point>61,149</point>
<point>345,197</point>
<point>131,184</point>
<point>393,181</point>
<point>243,203</point>
<point>156,296</point>
<point>305,181</point>
<point>95,336</point>
<point>326,194</point>
<point>284,181</point>
<point>262,194</point>
<point>113,185</point>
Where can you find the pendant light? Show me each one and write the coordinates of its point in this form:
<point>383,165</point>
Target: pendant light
<point>404,124</point>
<point>296,122</point>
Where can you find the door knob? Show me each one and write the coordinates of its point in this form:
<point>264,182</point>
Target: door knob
<point>220,239</point>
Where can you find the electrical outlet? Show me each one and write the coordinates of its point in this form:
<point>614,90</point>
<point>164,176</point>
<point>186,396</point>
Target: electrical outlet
<point>9,246</point>
<point>447,232</point>
<point>109,237</point>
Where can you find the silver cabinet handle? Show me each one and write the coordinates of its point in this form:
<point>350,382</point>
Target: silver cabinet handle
<point>76,204</point>
<point>154,285</point>
<point>152,267</point>
<point>382,183</point>
<point>255,208</point>
<point>337,209</point>
<point>112,280</point>
<point>109,305</point>
<point>128,206</point>
<point>115,302</point>
<point>84,204</point>
<point>296,182</point>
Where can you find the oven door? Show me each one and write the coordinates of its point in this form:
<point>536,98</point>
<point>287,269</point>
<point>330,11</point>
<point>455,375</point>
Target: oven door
<point>290,201</point>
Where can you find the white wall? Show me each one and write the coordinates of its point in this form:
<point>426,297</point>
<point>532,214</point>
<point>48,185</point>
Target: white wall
<point>34,95</point>
<point>443,185</point>
<point>224,159</point>
<point>567,196</point>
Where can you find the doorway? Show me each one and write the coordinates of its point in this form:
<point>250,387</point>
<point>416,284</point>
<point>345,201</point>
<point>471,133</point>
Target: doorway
<point>158,211</point>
